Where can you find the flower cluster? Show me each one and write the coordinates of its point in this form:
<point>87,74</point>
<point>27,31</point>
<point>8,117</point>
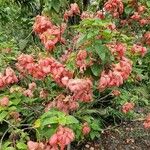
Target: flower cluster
<point>62,137</point>
<point>35,145</point>
<point>41,24</point>
<point>49,34</point>
<point>43,68</point>
<point>137,16</point>
<point>74,10</point>
<point>117,49</point>
<point>63,103</point>
<point>138,49</point>
<point>81,60</point>
<point>147,38</point>
<point>81,88</point>
<point>9,77</point>
<point>116,75</point>
<point>115,7</point>
<point>128,106</point>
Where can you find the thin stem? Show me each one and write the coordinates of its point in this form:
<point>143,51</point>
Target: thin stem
<point>3,137</point>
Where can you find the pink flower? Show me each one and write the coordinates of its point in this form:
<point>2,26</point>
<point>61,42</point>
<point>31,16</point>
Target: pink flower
<point>143,22</point>
<point>81,88</point>
<point>49,34</point>
<point>116,75</point>
<point>81,61</point>
<point>10,76</point>
<point>2,83</point>
<point>75,8</point>
<point>104,80</point>
<point>28,93</point>
<point>127,107</point>
<point>112,27</point>
<point>117,49</point>
<point>87,15</point>
<point>138,49</point>
<point>35,145</point>
<point>147,38</point>
<point>32,86</point>
<point>43,94</point>
<point>41,24</point>
<point>85,128</point>
<point>24,59</point>
<point>62,137</point>
<point>63,103</point>
<point>141,9</point>
<point>67,14</point>
<point>147,122</point>
<point>4,101</point>
<point>136,16</point>
<point>100,15</point>
<point>116,92</point>
<point>115,7</point>
<point>32,145</point>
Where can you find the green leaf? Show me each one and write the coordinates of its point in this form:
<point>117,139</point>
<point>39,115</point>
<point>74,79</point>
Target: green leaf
<point>81,40</point>
<point>3,115</point>
<point>37,123</point>
<point>62,120</point>
<point>148,3</point>
<point>101,51</point>
<point>95,126</point>
<point>16,101</point>
<point>71,120</point>
<point>107,33</point>
<point>51,120</point>
<point>21,146</point>
<point>51,113</point>
<point>96,69</point>
<point>56,5</point>
<point>23,44</point>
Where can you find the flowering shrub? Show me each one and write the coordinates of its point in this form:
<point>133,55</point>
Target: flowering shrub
<point>58,93</point>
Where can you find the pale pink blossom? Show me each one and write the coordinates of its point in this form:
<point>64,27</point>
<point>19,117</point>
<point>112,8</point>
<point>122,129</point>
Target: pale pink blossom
<point>138,49</point>
<point>42,23</point>
<point>147,122</point>
<point>85,128</point>
<point>4,101</point>
<point>62,137</point>
<point>28,93</point>
<point>128,106</point>
<point>32,86</point>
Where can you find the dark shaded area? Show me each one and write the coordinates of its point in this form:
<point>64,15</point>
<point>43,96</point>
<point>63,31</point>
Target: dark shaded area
<point>128,136</point>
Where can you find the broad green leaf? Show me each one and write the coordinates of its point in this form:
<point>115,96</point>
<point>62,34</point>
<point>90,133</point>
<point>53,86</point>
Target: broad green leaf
<point>148,3</point>
<point>21,146</point>
<point>3,115</point>
<point>101,51</point>
<point>37,123</point>
<point>71,120</point>
<point>96,69</point>
<point>51,120</point>
<point>23,44</point>
<point>56,5</point>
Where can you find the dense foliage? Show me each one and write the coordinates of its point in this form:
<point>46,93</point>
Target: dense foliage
<point>70,68</point>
